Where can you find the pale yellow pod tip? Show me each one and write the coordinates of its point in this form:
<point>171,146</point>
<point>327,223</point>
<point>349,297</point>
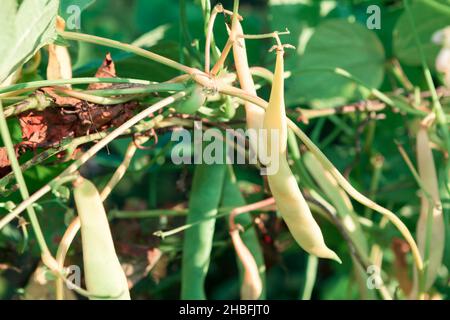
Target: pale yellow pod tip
<point>321,251</point>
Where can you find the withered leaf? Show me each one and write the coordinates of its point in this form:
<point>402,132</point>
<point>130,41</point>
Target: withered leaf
<point>59,61</point>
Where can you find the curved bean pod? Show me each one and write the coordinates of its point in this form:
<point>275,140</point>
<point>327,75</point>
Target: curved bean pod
<point>348,217</point>
<point>254,114</point>
<point>252,286</point>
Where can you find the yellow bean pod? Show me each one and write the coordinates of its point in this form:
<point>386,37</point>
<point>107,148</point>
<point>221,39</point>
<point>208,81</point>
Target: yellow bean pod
<point>251,287</point>
<point>103,273</point>
<point>289,199</point>
<point>428,175</point>
<point>254,114</point>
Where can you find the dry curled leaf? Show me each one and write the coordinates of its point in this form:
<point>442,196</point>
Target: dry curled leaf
<point>107,70</point>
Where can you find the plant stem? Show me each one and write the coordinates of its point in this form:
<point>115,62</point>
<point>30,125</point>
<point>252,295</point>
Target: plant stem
<point>369,106</point>
<point>47,154</point>
<point>400,75</point>
<point>221,61</point>
<point>229,45</point>
<point>122,168</point>
<point>223,212</point>
<point>247,208</point>
<point>197,75</point>
<point>377,163</point>
<point>157,87</point>
<point>118,214</point>
<point>49,83</point>
<point>37,101</point>
<point>61,253</point>
<point>93,98</point>
<point>40,102</point>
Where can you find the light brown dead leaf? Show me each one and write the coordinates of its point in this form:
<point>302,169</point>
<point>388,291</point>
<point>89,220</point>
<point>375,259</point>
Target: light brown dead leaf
<point>107,70</point>
<point>401,248</point>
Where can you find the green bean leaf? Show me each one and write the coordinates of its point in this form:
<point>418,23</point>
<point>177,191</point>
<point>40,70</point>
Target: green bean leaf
<point>337,44</point>
<point>430,16</point>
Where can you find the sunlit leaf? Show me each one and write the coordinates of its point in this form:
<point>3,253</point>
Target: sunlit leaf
<point>27,30</point>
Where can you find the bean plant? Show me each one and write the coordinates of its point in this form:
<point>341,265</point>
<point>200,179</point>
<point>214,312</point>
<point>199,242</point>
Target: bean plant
<point>349,199</point>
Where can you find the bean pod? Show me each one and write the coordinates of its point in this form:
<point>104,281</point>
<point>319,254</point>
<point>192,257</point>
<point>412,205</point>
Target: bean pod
<point>251,287</point>
<point>431,222</point>
<point>193,101</point>
<point>290,201</point>
<point>348,217</point>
